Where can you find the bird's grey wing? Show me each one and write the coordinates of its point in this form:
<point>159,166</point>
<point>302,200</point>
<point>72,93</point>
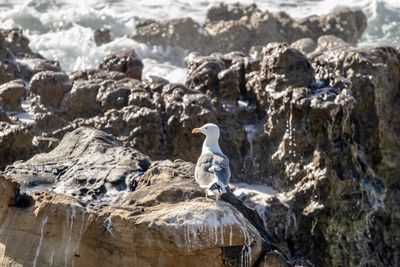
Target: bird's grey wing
<point>221,170</point>
<point>202,174</point>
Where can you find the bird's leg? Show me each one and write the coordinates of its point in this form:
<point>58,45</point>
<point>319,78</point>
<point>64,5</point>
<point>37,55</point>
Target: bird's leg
<point>206,191</point>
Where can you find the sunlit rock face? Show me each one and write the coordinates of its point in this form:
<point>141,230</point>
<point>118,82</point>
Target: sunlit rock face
<point>113,199</point>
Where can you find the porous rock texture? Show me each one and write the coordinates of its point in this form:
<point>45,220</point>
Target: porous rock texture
<point>126,61</point>
<point>238,27</point>
<point>156,213</point>
<point>15,143</point>
<point>17,61</point>
<point>12,94</point>
<point>50,87</point>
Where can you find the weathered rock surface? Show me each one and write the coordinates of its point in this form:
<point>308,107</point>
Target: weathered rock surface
<point>329,42</point>
<point>155,122</point>
<point>126,62</point>
<point>237,28</point>
<point>92,158</point>
<point>221,77</point>
<point>17,60</point>
<point>164,218</point>
<point>81,100</point>
<point>12,94</point>
<point>184,32</point>
<point>318,151</point>
<point>376,132</point>
<point>284,67</point>
<point>50,87</point>
<point>15,143</point>
<point>304,45</point>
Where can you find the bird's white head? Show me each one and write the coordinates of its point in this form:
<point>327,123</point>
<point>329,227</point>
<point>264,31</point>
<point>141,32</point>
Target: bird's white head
<point>211,131</point>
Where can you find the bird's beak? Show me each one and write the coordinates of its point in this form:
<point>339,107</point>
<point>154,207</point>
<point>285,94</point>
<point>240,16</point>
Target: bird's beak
<point>197,130</point>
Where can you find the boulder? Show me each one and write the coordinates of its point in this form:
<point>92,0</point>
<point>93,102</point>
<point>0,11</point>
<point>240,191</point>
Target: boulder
<point>283,66</point>
<point>81,99</point>
<point>182,32</point>
<point>75,159</point>
<point>115,94</point>
<point>126,62</point>
<point>220,76</point>
<point>223,12</point>
<point>184,110</point>
<point>16,57</point>
<point>50,87</point>
<point>15,143</point>
<point>304,45</point>
<point>238,27</point>
<point>203,73</point>
<point>12,94</point>
<point>330,42</point>
<point>102,36</point>
<point>347,164</point>
<point>228,36</point>
<point>46,65</point>
<point>374,75</point>
<point>16,43</point>
<point>343,23</point>
<point>191,232</point>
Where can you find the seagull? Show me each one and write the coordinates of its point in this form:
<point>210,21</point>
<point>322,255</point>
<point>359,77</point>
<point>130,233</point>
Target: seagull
<point>212,169</point>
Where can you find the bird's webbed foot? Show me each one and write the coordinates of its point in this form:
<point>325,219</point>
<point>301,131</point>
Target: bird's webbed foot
<point>215,186</point>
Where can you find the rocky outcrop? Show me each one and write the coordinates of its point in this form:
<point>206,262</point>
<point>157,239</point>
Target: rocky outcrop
<point>221,77</point>
<point>304,45</point>
<point>17,60</point>
<point>183,32</point>
<point>375,132</point>
<point>126,62</point>
<point>50,87</point>
<point>373,90</point>
<point>81,100</point>
<point>15,143</point>
<point>12,94</point>
<point>80,154</point>
<point>314,123</point>
<point>284,67</point>
<point>12,42</point>
<point>153,116</point>
<point>159,205</point>
<point>319,152</point>
<point>237,28</point>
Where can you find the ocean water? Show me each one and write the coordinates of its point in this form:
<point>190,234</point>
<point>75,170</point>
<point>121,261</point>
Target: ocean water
<point>63,29</point>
